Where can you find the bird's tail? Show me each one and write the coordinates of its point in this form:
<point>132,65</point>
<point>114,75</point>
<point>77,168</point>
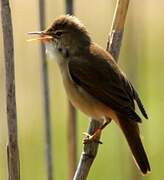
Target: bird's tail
<point>131,132</point>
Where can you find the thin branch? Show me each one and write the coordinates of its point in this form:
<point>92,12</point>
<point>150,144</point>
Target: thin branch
<point>72,127</point>
<point>69,7</point>
<point>12,147</point>
<point>47,118</point>
<point>113,46</point>
<point>72,139</point>
<point>117,29</point>
<point>88,155</point>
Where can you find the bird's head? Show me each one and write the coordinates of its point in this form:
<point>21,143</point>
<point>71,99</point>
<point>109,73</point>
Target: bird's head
<point>66,33</point>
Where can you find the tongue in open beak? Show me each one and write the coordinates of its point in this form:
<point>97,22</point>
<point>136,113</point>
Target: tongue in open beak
<point>43,36</point>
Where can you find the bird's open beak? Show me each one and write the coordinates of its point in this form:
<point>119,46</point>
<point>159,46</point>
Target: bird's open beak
<point>43,36</point>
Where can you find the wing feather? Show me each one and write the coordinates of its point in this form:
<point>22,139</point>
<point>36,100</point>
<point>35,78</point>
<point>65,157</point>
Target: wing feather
<point>104,81</point>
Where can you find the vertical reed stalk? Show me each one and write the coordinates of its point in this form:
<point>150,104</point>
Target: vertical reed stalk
<point>72,125</point>
<point>12,147</point>
<point>46,101</point>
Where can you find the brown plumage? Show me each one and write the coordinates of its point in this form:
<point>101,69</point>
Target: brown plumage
<point>112,88</point>
<point>131,132</point>
<point>94,82</point>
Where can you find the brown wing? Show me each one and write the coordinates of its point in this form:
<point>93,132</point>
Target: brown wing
<point>105,82</point>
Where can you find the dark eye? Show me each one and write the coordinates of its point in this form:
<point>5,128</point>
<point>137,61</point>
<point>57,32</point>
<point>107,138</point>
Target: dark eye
<point>59,33</point>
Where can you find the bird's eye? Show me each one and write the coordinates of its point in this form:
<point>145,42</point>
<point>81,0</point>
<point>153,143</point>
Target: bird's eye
<point>58,33</point>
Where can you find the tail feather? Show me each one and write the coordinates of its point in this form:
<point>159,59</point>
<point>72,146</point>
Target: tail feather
<point>139,103</point>
<point>131,132</point>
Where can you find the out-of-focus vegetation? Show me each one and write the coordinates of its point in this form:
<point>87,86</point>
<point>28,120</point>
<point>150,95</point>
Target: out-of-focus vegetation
<point>142,58</point>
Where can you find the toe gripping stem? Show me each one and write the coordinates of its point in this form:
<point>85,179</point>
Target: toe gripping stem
<point>95,137</point>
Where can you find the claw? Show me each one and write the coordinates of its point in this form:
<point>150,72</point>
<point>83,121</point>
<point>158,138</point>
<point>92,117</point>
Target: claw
<point>86,134</point>
<point>90,138</point>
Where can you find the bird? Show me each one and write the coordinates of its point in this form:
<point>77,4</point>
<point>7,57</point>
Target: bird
<point>94,82</point>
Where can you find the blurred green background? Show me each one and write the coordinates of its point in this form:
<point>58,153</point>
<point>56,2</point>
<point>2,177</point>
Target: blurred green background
<point>142,58</point>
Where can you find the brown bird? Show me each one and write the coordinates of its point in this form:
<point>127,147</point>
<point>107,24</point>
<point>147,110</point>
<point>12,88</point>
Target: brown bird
<point>94,83</point>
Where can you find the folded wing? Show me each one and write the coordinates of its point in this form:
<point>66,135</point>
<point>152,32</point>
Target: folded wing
<point>105,82</point>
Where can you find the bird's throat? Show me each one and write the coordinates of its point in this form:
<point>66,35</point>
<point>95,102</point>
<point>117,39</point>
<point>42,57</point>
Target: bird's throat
<point>51,50</point>
<point>57,53</point>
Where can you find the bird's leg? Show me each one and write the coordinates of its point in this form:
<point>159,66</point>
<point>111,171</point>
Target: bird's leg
<point>95,137</point>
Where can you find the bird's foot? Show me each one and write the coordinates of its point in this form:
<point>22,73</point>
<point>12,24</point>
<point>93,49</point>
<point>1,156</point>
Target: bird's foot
<point>92,138</point>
